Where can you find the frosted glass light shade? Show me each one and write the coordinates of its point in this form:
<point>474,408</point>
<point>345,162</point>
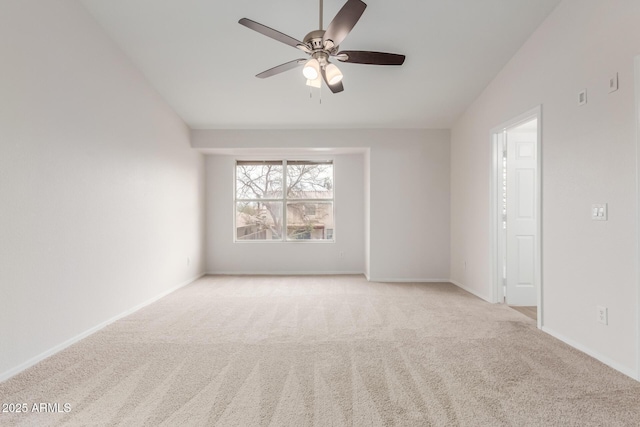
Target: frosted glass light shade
<point>334,75</point>
<point>315,83</point>
<point>311,69</point>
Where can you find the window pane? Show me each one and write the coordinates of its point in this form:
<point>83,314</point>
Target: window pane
<point>309,180</point>
<point>259,221</point>
<point>310,221</point>
<point>258,180</point>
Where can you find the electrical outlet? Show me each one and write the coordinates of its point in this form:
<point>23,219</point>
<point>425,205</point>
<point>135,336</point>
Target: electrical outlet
<point>188,261</point>
<point>602,315</point>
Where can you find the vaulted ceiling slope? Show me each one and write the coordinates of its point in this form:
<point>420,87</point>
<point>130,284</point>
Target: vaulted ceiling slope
<point>204,63</point>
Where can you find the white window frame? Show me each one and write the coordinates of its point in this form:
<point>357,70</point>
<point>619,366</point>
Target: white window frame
<point>284,200</point>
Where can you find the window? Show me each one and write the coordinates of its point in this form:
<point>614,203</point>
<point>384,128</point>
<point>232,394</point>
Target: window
<point>310,210</point>
<point>264,188</point>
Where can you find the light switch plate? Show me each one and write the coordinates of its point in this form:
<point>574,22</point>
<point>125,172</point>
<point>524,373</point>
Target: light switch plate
<point>613,82</point>
<point>599,212</point>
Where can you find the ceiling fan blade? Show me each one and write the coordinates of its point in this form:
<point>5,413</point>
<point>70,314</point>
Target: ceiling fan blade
<point>344,21</point>
<point>281,68</point>
<point>270,32</point>
<point>338,87</point>
<point>374,58</point>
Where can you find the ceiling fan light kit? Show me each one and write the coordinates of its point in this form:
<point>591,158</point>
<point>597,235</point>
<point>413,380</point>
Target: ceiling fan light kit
<point>317,83</point>
<point>322,45</point>
<point>334,75</point>
<point>311,69</point>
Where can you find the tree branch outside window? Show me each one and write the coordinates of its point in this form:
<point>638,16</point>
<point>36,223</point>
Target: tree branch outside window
<point>264,188</point>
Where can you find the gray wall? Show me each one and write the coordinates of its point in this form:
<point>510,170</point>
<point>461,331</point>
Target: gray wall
<point>407,175</point>
<point>588,156</point>
<point>102,197</point>
<point>346,255</point>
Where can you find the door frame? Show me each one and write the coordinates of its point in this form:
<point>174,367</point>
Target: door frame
<point>494,215</point>
<point>636,73</point>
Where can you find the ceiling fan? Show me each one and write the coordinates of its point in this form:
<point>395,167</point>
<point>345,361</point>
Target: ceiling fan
<point>322,45</point>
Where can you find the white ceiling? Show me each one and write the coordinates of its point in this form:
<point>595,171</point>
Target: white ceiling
<point>203,62</point>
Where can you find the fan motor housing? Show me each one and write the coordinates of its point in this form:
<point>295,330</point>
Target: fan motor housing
<point>314,40</point>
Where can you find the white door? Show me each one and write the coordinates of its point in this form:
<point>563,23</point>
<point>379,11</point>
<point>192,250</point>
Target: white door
<point>522,211</point>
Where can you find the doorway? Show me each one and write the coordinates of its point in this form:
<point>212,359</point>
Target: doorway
<point>516,214</point>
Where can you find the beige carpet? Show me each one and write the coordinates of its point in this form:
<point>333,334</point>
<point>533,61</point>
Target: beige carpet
<point>325,351</point>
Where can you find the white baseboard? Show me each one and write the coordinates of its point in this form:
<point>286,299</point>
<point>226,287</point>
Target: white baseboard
<point>324,273</point>
<point>471,291</point>
<point>284,273</point>
<point>397,280</point>
<point>607,361</point>
<point>40,357</point>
